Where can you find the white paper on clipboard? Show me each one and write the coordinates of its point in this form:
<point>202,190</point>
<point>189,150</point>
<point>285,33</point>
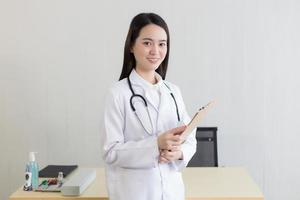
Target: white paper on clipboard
<point>196,120</point>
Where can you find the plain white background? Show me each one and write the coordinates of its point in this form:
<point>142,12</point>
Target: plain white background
<point>59,57</point>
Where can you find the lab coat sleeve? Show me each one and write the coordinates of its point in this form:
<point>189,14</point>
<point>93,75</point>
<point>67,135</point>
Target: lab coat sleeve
<point>130,154</point>
<point>189,146</point>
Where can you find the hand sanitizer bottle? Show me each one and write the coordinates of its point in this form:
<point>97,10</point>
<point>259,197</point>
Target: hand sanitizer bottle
<point>34,168</point>
<point>27,185</point>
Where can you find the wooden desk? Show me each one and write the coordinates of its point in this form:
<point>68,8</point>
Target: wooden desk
<point>220,184</point>
<point>200,184</point>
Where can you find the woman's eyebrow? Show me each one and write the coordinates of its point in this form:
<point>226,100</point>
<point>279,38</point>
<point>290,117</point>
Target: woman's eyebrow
<point>163,40</point>
<point>152,40</point>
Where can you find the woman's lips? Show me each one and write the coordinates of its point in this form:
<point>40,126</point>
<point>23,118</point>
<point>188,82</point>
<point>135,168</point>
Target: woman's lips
<point>153,60</point>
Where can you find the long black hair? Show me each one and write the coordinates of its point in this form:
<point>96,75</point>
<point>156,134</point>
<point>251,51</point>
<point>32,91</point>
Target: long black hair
<point>137,23</point>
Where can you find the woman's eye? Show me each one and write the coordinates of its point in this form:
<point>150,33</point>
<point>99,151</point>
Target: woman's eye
<point>147,43</point>
<point>162,44</point>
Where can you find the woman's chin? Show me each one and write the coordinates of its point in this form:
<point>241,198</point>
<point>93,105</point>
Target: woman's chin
<point>153,66</point>
<point>150,66</point>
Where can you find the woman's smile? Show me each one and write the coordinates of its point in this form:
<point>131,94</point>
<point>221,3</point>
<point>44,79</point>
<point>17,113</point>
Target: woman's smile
<point>153,60</point>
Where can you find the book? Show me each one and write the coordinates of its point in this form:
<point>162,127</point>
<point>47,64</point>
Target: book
<point>51,171</point>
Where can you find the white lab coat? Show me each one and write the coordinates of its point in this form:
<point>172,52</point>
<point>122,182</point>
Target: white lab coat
<point>131,154</point>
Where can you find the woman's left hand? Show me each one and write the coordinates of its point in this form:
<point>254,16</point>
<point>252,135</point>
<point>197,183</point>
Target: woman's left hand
<point>169,156</point>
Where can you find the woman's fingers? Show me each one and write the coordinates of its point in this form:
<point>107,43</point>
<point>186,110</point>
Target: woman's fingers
<point>171,138</point>
<point>173,141</point>
<point>178,130</point>
<point>175,148</point>
<point>163,159</point>
<point>171,155</point>
<point>168,155</point>
<point>175,138</point>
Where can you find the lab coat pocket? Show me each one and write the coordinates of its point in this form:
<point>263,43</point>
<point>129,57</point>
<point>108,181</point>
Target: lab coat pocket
<point>175,183</point>
<point>138,183</point>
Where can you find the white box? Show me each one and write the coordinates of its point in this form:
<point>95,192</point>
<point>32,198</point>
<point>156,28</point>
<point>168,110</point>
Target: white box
<point>78,182</point>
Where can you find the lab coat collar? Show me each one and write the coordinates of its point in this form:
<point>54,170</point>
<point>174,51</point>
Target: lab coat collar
<point>165,97</point>
<point>136,79</point>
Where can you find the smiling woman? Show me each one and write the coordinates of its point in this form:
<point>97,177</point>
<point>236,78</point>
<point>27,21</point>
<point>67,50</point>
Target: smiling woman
<point>149,50</point>
<point>143,150</point>
<point>145,28</point>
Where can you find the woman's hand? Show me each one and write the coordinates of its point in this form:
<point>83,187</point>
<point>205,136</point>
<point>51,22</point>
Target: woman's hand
<point>169,156</point>
<point>171,140</point>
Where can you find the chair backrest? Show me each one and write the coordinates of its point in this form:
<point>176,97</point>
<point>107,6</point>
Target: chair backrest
<point>207,148</point>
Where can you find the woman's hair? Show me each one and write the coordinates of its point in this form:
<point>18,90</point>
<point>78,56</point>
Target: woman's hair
<point>137,23</point>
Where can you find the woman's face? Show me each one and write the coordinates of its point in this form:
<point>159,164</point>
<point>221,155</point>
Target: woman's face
<point>150,47</point>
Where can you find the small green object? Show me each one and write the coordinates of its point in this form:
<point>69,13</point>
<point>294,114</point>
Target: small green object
<point>45,182</point>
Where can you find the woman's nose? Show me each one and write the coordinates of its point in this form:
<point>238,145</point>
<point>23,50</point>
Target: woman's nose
<point>154,50</point>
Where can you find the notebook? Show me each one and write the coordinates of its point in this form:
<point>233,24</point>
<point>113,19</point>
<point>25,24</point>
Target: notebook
<point>51,171</point>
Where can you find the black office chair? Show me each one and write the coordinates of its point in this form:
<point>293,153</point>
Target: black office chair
<point>207,148</point>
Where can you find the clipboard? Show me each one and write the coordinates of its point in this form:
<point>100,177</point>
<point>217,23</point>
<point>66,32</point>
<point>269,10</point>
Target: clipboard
<point>196,120</point>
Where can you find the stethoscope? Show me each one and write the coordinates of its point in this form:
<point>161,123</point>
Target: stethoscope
<point>134,95</point>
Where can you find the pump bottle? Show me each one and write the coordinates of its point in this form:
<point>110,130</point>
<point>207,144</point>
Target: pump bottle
<point>34,168</point>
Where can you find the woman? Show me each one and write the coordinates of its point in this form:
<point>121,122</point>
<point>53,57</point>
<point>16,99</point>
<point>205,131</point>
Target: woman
<point>143,151</point>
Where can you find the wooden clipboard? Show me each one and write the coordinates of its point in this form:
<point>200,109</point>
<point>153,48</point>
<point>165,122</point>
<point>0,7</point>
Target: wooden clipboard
<point>196,119</point>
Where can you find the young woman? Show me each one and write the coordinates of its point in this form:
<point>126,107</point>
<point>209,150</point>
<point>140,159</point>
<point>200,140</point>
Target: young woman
<point>143,151</point>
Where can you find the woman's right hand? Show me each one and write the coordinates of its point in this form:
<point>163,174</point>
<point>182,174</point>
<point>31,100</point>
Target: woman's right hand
<point>171,140</point>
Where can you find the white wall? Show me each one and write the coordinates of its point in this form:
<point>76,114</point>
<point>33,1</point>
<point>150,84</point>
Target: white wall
<point>58,58</point>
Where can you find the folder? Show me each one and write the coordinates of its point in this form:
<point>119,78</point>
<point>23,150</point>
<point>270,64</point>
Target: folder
<point>51,171</point>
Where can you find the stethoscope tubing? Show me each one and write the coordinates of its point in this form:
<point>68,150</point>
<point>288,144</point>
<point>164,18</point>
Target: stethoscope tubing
<point>134,95</point>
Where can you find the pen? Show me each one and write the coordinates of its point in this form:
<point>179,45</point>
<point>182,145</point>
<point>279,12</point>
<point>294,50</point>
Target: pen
<point>44,182</point>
